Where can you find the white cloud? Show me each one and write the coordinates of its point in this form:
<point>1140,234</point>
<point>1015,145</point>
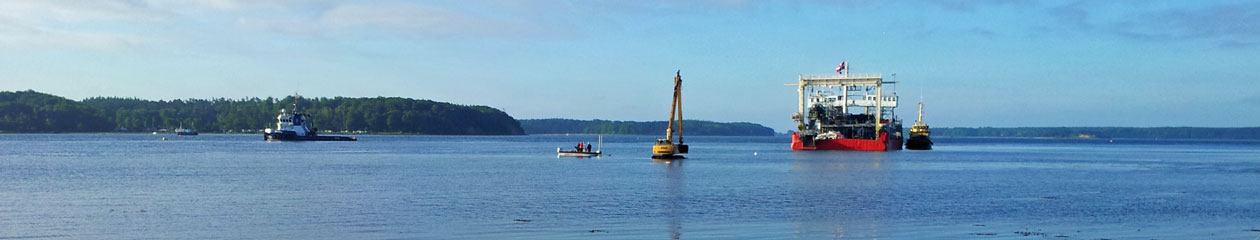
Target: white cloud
<point>1228,24</point>
<point>114,24</point>
<point>16,37</point>
<point>69,23</point>
<point>77,11</point>
<point>412,20</point>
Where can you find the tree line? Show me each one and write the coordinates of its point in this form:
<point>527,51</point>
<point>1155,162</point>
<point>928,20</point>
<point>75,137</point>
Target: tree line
<point>379,114</point>
<point>690,127</point>
<point>1104,132</point>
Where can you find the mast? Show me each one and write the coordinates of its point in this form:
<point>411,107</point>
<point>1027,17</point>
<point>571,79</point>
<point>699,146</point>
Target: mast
<point>920,112</point>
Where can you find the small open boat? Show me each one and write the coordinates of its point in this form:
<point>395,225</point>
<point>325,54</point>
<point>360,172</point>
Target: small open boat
<point>561,152</point>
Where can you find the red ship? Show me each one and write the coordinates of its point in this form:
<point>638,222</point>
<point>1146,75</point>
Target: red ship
<point>882,143</point>
<point>847,112</point>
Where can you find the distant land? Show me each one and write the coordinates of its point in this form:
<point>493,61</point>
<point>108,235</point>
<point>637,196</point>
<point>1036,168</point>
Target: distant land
<point>35,112</point>
<point>1103,132</point>
<point>690,127</point>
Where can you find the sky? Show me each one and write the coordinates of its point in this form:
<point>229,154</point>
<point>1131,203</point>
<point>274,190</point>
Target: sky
<point>974,63</point>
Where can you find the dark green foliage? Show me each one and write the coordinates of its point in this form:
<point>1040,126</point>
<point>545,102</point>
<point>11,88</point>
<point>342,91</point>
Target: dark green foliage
<point>30,111</point>
<point>380,114</point>
<point>216,115</point>
<point>1104,132</point>
<point>690,127</point>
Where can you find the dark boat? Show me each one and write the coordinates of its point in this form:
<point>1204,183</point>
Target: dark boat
<point>920,138</point>
<point>919,143</point>
<point>294,126</point>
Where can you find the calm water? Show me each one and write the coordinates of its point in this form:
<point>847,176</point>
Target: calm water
<point>387,187</point>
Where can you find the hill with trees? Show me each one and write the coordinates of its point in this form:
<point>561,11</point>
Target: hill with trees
<point>30,111</point>
<point>690,127</point>
<point>380,114</point>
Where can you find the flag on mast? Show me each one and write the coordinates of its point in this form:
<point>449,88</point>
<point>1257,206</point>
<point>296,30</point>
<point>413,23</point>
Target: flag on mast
<point>841,67</point>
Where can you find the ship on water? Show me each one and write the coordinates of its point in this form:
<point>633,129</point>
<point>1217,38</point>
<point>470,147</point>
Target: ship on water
<point>181,131</point>
<point>845,111</point>
<point>581,152</point>
<point>920,135</point>
<point>296,126</point>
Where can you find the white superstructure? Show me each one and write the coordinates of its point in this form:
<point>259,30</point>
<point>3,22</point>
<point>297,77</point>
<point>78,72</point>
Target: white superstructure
<point>859,93</point>
<point>290,122</point>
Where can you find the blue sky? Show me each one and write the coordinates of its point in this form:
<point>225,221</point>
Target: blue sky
<point>974,62</point>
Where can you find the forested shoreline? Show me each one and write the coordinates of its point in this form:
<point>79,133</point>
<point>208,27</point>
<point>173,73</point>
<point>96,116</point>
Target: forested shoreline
<point>691,127</point>
<point>1103,132</point>
<point>30,111</point>
<point>35,112</point>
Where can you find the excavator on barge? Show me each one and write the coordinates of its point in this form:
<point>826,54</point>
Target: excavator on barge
<point>665,148</point>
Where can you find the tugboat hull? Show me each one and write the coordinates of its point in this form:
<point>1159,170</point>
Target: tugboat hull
<point>286,136</point>
<point>919,143</point>
<point>883,143</point>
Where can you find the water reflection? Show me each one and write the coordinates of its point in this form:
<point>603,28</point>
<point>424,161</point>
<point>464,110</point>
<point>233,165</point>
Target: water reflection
<point>841,194</point>
<point>674,190</point>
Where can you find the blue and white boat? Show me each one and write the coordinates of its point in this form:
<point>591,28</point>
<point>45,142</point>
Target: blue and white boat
<point>181,131</point>
<point>295,126</point>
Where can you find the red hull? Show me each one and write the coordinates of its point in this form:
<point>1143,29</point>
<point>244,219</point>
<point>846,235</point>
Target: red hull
<point>879,144</point>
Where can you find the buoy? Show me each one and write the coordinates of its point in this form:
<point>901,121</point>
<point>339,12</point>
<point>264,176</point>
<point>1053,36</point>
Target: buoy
<point>163,138</point>
<point>754,153</point>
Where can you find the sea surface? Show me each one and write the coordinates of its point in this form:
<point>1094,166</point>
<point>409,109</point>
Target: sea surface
<point>138,186</point>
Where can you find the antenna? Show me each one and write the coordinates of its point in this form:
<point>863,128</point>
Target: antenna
<point>894,75</point>
<point>296,96</point>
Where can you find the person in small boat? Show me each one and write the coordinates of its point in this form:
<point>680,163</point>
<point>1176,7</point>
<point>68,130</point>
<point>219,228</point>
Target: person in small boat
<point>578,148</point>
<point>588,147</point>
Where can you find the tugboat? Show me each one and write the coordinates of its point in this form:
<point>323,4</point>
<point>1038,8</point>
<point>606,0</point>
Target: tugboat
<point>847,112</point>
<point>294,127</point>
<point>582,152</point>
<point>665,147</point>
<point>919,134</point>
